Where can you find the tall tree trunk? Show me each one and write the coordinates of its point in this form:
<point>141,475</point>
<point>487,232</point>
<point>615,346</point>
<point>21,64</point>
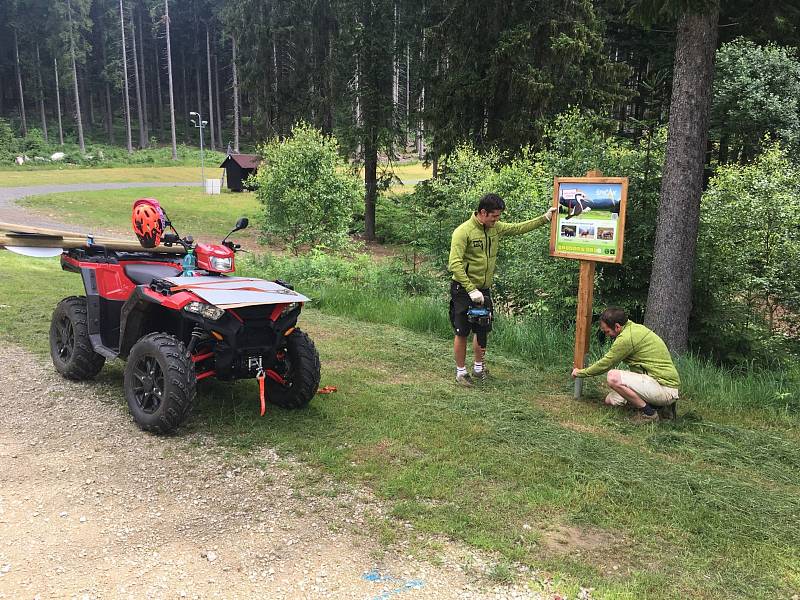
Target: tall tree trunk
<point>218,103</point>
<point>58,105</point>
<point>421,101</point>
<point>359,123</point>
<point>41,93</point>
<point>127,101</point>
<point>139,107</point>
<point>407,120</point>
<point>669,300</point>
<point>90,95</point>
<point>275,107</point>
<point>210,94</point>
<point>185,92</point>
<point>109,113</point>
<point>19,86</point>
<point>160,105</point>
<point>75,80</point>
<point>143,78</point>
<point>395,68</point>
<point>235,100</point>
<point>171,94</point>
<point>370,183</point>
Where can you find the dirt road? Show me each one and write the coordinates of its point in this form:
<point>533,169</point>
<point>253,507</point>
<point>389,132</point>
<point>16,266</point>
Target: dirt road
<point>91,507</point>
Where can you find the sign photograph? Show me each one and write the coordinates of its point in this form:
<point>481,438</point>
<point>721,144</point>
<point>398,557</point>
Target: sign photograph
<point>590,222</point>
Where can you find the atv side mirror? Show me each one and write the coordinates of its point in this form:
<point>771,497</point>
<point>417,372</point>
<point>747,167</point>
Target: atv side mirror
<point>240,224</point>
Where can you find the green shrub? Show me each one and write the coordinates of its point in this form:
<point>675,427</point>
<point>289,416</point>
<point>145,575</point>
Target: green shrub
<point>747,274</point>
<point>34,144</point>
<point>308,198</point>
<point>9,146</point>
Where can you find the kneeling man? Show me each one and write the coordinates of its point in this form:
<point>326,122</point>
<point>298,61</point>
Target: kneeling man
<point>653,381</point>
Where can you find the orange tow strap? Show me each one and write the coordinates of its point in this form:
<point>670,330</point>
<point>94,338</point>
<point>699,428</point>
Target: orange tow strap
<point>260,378</point>
<point>328,389</point>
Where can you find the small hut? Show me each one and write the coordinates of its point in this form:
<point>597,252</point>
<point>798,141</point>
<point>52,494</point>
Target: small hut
<point>239,167</point>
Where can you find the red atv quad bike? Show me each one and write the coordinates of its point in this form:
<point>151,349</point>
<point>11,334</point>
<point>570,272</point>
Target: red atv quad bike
<point>177,318</point>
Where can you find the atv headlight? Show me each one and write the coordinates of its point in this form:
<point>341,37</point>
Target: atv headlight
<point>289,308</point>
<point>220,264</point>
<point>209,311</point>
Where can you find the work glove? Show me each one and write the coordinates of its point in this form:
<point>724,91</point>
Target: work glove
<point>476,296</point>
<point>549,213</point>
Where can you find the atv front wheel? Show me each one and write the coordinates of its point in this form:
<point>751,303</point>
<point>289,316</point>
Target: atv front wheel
<point>298,364</point>
<point>70,347</point>
<point>159,383</point>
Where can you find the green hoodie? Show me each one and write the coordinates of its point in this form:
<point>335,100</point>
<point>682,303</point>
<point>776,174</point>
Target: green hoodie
<point>473,249</point>
<point>643,351</point>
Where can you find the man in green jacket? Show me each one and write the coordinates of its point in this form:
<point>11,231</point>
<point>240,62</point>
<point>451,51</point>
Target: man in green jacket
<point>653,381</point>
<point>473,254</point>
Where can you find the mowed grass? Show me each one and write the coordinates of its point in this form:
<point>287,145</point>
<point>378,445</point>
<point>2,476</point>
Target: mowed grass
<point>705,508</point>
<point>142,174</point>
<point>208,218</point>
<point>145,174</point>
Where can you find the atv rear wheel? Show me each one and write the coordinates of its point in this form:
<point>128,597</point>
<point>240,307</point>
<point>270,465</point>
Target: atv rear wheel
<point>70,347</point>
<point>299,366</point>
<point>159,383</point>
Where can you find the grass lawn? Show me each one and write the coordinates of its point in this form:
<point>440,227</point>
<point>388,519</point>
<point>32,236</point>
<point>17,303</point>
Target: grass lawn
<point>207,218</point>
<point>25,177</point>
<point>705,508</point>
<point>44,176</point>
<point>415,171</point>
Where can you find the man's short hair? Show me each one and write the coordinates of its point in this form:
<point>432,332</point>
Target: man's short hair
<point>613,316</point>
<point>491,203</point>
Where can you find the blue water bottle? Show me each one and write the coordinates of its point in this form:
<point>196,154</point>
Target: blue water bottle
<point>189,264</point>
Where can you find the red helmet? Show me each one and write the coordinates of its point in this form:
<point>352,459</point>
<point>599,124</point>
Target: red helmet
<point>148,222</point>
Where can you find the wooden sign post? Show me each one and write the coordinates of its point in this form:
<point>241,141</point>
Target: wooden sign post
<point>583,320</point>
<point>590,227</point>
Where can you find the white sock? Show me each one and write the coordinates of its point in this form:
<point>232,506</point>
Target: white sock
<point>477,367</point>
<point>461,371</point>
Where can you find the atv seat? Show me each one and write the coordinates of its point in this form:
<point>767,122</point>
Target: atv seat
<point>145,274</point>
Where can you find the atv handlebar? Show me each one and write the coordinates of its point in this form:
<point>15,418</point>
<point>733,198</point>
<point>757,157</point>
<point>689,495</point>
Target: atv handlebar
<point>169,239</point>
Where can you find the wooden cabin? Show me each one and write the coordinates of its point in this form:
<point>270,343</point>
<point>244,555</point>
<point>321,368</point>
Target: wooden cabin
<point>239,167</point>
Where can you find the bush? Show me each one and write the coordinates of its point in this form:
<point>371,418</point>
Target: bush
<point>9,147</point>
<point>316,269</point>
<point>34,144</point>
<point>307,195</point>
<point>747,274</point>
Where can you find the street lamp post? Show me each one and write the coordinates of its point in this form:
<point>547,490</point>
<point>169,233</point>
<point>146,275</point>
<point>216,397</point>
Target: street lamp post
<point>200,124</point>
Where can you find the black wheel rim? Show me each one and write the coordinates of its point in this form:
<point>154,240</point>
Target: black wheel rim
<point>148,384</point>
<point>65,339</point>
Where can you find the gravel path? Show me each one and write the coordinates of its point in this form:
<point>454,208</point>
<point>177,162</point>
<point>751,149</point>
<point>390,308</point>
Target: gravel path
<point>11,213</point>
<point>91,507</point>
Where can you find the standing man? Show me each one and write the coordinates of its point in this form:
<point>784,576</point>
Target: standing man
<point>653,381</point>
<point>473,254</point>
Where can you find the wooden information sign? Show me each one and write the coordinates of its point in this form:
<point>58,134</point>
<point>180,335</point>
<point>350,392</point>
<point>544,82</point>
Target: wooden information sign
<point>589,226</point>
